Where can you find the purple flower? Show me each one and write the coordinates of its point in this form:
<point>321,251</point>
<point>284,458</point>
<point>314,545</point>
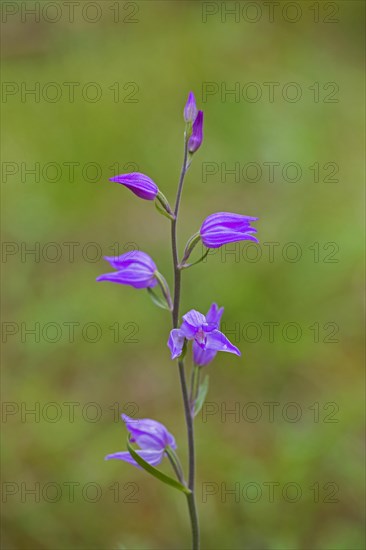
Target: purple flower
<point>196,138</point>
<point>190,109</point>
<point>225,227</point>
<point>134,268</point>
<point>141,185</point>
<point>207,339</point>
<point>201,356</point>
<point>152,437</point>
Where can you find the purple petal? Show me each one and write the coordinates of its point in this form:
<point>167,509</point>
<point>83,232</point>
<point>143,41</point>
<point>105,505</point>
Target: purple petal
<point>229,219</point>
<point>132,257</point>
<point>176,342</point>
<point>225,237</point>
<point>192,321</point>
<point>196,138</point>
<point>216,340</point>
<point>152,457</point>
<point>149,434</point>
<point>214,315</point>
<point>226,227</point>
<point>202,357</point>
<point>138,183</point>
<point>138,278</point>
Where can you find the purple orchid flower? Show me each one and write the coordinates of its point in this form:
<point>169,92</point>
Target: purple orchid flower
<point>196,138</point>
<point>139,184</point>
<point>151,436</point>
<point>202,357</point>
<point>225,227</point>
<point>190,109</point>
<point>207,339</point>
<point>134,268</point>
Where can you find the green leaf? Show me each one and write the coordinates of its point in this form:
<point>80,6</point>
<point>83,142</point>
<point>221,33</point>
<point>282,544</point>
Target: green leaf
<point>202,392</point>
<point>191,243</point>
<point>155,472</point>
<point>165,290</point>
<point>157,300</point>
<point>162,210</point>
<point>185,266</point>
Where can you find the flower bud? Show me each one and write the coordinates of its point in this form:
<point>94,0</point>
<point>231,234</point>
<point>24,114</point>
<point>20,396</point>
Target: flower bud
<point>225,227</point>
<point>190,109</point>
<point>196,138</point>
<point>139,184</point>
<point>133,268</point>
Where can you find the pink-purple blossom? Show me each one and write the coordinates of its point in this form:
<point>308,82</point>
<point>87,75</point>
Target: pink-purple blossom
<point>151,436</point>
<point>225,227</point>
<point>140,184</point>
<point>133,268</point>
<point>203,330</point>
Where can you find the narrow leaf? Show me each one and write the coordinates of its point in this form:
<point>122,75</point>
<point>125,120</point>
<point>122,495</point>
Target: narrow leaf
<point>157,300</point>
<point>155,472</point>
<point>162,211</point>
<point>185,266</point>
<point>202,392</point>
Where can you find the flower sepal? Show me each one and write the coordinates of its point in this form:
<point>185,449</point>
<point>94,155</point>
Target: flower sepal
<point>201,259</point>
<point>164,302</point>
<point>157,300</point>
<point>163,207</point>
<point>154,471</point>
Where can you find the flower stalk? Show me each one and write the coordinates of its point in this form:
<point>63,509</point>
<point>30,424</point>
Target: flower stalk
<point>186,401</point>
<point>149,442</point>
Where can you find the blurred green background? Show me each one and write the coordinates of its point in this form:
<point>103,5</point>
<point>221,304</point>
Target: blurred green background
<point>166,49</point>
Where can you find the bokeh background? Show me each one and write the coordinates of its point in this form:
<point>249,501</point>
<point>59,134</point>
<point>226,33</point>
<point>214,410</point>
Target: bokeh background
<point>117,361</point>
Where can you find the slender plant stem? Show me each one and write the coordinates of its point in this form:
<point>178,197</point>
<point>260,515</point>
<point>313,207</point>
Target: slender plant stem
<point>177,271</point>
<point>182,376</point>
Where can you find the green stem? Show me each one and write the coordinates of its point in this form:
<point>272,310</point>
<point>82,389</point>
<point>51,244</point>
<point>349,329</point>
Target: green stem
<point>175,316</point>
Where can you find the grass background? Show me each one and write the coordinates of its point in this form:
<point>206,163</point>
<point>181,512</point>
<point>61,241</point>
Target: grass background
<point>167,52</point>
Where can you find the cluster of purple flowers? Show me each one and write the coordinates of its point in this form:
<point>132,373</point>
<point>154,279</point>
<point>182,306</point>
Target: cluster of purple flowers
<point>137,269</point>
